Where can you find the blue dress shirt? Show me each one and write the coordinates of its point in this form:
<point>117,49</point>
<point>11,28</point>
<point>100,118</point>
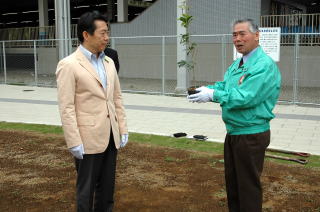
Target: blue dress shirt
<point>97,64</point>
<point>246,57</point>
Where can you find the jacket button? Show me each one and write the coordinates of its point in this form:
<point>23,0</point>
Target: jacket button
<point>108,116</point>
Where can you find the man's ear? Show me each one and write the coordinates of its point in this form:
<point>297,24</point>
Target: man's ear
<point>85,35</point>
<point>257,34</point>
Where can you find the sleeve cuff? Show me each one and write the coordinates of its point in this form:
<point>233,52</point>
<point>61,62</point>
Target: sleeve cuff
<point>216,96</point>
<point>220,96</point>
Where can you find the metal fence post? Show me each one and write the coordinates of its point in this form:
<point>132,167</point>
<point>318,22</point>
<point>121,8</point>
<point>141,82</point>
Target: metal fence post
<point>113,45</point>
<point>163,64</point>
<point>4,62</point>
<point>295,73</point>
<point>35,62</point>
<point>223,55</point>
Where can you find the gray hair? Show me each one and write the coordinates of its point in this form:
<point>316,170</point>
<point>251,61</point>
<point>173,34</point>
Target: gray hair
<point>253,27</point>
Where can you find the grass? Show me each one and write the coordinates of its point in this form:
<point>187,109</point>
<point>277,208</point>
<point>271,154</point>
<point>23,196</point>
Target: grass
<point>41,128</point>
<point>157,140</point>
<point>178,143</point>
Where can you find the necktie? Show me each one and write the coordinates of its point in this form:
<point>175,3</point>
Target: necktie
<point>241,62</point>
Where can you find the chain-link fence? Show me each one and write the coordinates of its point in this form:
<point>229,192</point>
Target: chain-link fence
<point>149,64</point>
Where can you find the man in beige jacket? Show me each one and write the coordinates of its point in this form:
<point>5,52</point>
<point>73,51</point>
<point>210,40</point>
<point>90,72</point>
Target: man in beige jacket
<point>92,113</point>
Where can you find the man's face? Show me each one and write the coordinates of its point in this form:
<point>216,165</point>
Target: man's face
<point>244,40</point>
<point>100,38</point>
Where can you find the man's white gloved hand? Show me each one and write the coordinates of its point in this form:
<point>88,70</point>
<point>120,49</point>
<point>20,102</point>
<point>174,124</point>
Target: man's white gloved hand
<point>77,151</point>
<point>205,95</point>
<point>124,140</point>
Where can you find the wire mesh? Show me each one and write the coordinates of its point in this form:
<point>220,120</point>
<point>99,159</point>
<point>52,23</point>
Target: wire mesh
<point>46,63</point>
<point>140,63</point>
<point>19,63</point>
<point>149,64</point>
<point>2,65</point>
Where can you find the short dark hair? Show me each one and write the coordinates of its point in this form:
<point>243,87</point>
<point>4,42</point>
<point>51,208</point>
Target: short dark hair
<point>253,27</point>
<point>86,23</point>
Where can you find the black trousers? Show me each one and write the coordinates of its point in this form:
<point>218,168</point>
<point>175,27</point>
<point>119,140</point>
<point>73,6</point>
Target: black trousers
<point>243,161</point>
<point>96,179</point>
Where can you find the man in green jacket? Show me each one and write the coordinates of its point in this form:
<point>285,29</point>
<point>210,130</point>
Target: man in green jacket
<point>247,96</point>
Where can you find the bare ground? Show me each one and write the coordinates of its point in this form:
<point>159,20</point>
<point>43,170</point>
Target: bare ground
<point>37,174</point>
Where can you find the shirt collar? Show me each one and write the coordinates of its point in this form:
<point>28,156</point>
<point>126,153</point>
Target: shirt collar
<point>88,54</point>
<point>246,57</point>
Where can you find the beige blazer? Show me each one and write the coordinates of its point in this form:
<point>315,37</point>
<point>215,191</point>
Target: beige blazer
<point>88,111</point>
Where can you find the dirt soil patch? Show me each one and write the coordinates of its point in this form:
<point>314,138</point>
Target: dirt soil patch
<point>37,174</point>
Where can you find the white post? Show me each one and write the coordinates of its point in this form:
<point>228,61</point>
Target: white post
<point>62,9</point>
<point>35,62</point>
<point>67,27</point>
<point>295,71</point>
<point>182,73</point>
<point>122,10</point>
<point>43,17</point>
<point>163,52</point>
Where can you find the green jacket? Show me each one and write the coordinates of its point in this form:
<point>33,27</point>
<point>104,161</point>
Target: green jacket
<point>248,94</point>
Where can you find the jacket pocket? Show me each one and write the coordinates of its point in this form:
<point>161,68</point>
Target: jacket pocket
<point>86,120</point>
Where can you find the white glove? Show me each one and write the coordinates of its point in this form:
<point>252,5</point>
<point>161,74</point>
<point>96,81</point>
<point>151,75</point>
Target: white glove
<point>205,95</point>
<point>124,140</point>
<point>77,151</point>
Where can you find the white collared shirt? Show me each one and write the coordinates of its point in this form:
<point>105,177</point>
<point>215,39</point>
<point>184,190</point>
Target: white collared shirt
<point>97,64</point>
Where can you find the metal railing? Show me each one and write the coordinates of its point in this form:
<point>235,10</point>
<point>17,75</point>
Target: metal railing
<point>307,24</point>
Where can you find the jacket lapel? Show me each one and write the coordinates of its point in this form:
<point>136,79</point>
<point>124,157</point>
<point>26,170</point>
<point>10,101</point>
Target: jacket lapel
<point>84,62</point>
<point>109,74</point>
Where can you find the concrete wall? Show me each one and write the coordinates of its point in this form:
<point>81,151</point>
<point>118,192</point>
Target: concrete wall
<point>47,60</point>
<point>216,17</point>
<point>308,66</point>
<point>159,19</point>
<point>210,17</point>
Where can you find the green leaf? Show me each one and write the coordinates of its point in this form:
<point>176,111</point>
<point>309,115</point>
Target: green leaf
<point>185,20</point>
<point>182,63</point>
<point>185,38</point>
<point>191,47</point>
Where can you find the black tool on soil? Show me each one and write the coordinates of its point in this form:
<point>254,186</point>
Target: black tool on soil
<point>200,137</point>
<point>180,134</point>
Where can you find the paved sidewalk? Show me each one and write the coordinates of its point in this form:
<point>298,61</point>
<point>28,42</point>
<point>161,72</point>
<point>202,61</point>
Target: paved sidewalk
<point>294,128</point>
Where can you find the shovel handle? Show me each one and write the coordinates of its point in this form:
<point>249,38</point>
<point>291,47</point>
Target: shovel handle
<point>302,154</point>
<point>297,160</point>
